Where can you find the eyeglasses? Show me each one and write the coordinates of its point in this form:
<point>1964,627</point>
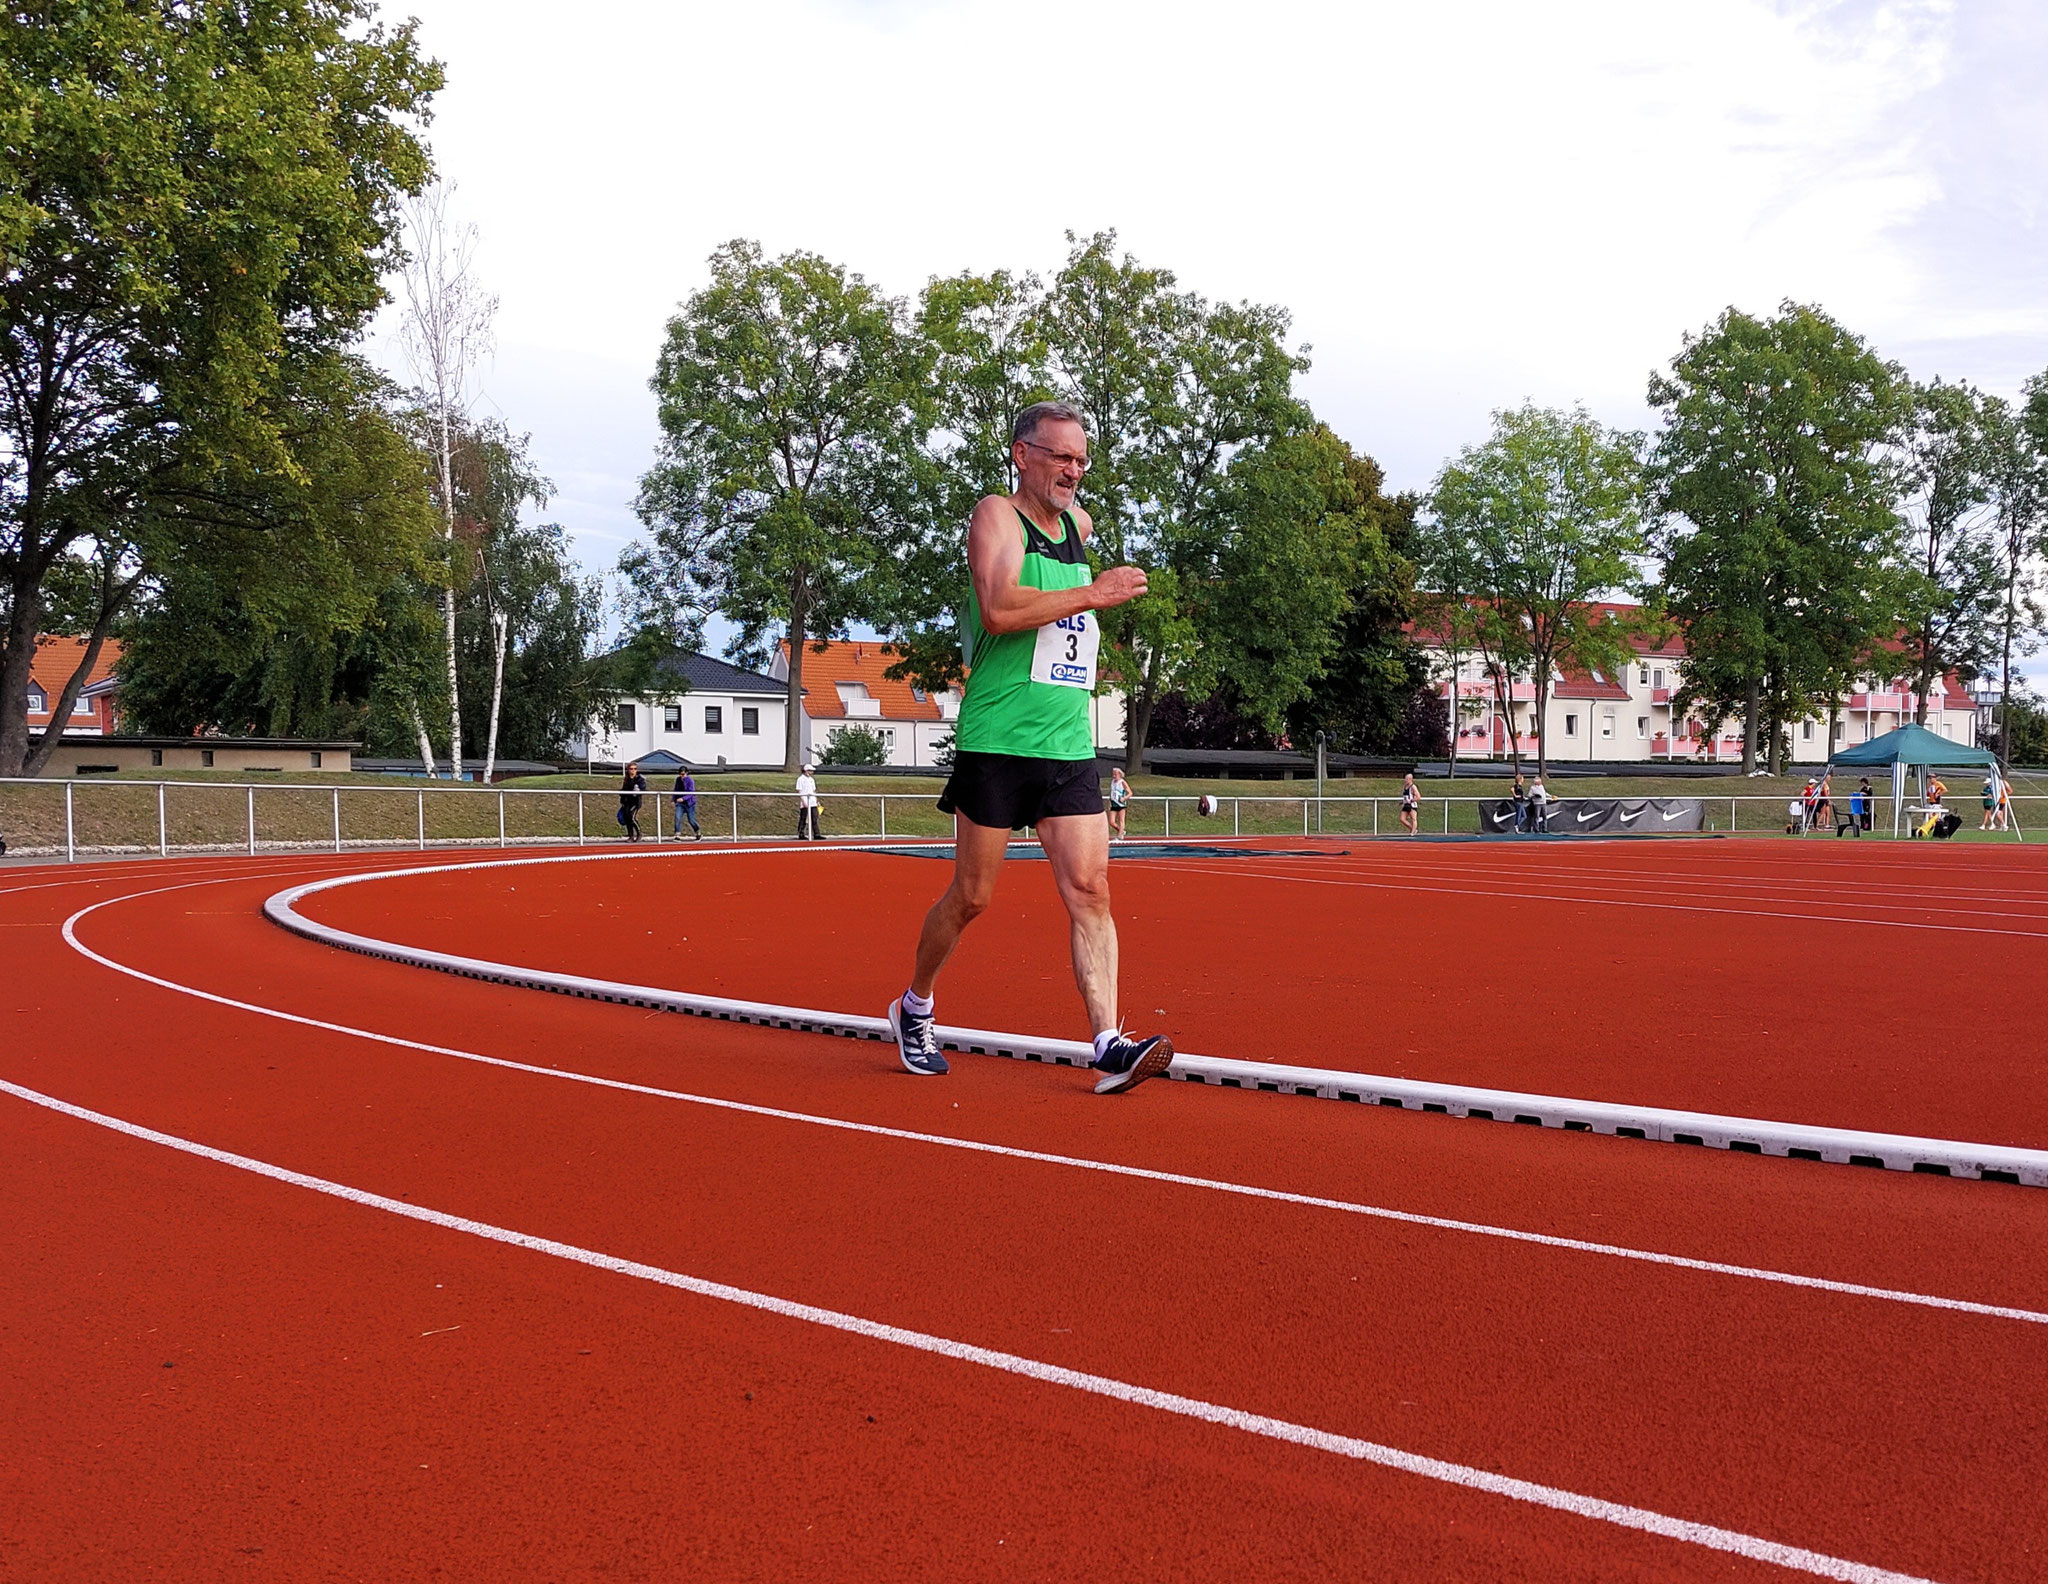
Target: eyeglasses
<point>1065,459</point>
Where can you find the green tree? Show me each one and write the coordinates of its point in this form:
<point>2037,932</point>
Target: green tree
<point>2017,442</point>
<point>1371,678</point>
<point>1775,481</point>
<point>1545,516</point>
<point>1955,585</point>
<point>793,408</point>
<point>854,745</point>
<point>1174,389</point>
<point>196,206</point>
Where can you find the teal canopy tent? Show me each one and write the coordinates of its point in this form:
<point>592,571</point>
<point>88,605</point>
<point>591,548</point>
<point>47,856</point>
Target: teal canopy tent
<point>1912,748</point>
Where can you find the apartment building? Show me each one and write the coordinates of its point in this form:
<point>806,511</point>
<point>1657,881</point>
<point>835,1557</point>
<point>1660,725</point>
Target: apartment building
<point>1629,714</point>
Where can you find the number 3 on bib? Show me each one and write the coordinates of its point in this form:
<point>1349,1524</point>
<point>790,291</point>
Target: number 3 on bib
<point>1065,652</point>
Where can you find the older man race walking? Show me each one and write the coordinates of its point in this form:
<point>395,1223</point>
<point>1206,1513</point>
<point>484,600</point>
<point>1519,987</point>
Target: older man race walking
<point>1024,749</point>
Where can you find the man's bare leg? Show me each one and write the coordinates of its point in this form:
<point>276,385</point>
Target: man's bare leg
<point>1078,847</point>
<point>977,859</point>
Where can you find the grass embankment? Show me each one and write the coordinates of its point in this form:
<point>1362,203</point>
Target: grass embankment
<point>210,809</point>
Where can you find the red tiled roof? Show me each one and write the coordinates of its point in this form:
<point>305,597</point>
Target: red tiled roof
<point>1585,685</point>
<point>1669,647</point>
<point>57,658</point>
<point>856,660</point>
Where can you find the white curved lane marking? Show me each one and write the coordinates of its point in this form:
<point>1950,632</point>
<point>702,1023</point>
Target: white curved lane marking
<point>1074,1162</point>
<point>1485,1481</point>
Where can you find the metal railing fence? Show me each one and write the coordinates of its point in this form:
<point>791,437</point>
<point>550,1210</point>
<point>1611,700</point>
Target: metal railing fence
<point>105,816</point>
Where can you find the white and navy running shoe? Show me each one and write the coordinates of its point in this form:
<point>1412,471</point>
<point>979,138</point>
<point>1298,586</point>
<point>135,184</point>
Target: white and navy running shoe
<point>1129,1062</point>
<point>915,1041</point>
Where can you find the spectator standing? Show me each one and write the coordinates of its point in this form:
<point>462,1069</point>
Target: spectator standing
<point>1119,800</point>
<point>1520,797</point>
<point>807,807</point>
<point>629,801</point>
<point>1867,799</point>
<point>1990,819</point>
<point>686,803</point>
<point>1539,805</point>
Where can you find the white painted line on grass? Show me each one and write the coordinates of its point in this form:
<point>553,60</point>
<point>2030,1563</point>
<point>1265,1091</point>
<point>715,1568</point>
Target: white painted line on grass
<point>1075,1162</point>
<point>1711,1537</point>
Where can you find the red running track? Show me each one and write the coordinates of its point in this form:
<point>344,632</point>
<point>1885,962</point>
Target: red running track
<point>356,1395</point>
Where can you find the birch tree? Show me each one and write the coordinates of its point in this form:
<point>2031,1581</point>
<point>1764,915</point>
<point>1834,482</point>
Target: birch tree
<point>1954,588</point>
<point>445,332</point>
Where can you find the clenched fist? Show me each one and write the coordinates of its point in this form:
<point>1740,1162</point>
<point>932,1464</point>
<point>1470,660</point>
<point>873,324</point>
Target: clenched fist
<point>1118,586</point>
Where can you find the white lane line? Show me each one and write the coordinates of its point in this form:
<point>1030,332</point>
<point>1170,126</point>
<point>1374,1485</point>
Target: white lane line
<point>1713,1538</point>
<point>1076,1162</point>
<point>1243,870</point>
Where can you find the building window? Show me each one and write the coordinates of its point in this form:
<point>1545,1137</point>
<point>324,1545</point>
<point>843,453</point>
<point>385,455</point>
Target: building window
<point>714,719</point>
<point>750,722</point>
<point>671,717</point>
<point>1571,725</point>
<point>1642,676</point>
<point>38,701</point>
<point>1838,731</point>
<point>627,719</point>
<point>82,707</point>
<point>1642,725</point>
<point>1657,678</point>
<point>1607,723</point>
<point>919,694</point>
<point>206,758</point>
<point>1806,731</point>
<point>314,755</point>
<point>156,756</point>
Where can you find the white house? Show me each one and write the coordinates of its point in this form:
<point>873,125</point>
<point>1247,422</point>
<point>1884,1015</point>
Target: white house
<point>720,716</point>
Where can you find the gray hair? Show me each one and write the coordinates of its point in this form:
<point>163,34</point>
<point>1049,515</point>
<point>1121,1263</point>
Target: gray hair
<point>1039,414</point>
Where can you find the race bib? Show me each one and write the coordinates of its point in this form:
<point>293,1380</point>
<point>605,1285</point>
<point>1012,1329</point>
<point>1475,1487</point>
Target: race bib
<point>1065,652</point>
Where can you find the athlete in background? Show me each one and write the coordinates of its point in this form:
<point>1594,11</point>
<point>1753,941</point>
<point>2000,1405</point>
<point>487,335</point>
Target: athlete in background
<point>1024,749</point>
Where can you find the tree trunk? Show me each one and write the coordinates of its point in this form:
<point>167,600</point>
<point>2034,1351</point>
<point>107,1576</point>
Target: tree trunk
<point>426,743</point>
<point>447,465</point>
<point>1543,721</point>
<point>1138,718</point>
<point>1750,705</point>
<point>1926,680</point>
<point>793,750</point>
<point>22,632</point>
<point>498,634</point>
<point>1451,769</point>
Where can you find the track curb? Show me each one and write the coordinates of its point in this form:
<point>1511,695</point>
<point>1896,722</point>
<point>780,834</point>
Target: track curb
<point>1748,1135</point>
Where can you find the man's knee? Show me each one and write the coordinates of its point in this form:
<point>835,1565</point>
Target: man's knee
<point>968,899</point>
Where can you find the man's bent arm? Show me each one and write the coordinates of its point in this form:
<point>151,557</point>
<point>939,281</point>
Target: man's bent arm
<point>995,557</point>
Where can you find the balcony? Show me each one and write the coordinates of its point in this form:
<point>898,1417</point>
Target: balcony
<point>1660,695</point>
<point>862,708</point>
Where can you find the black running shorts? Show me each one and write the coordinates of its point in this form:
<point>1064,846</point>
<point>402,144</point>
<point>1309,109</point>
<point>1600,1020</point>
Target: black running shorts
<point>1006,791</point>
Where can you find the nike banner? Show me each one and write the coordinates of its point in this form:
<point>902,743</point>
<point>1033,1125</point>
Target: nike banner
<point>1596,816</point>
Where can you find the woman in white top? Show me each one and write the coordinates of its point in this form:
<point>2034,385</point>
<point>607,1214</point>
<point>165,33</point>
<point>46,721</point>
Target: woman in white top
<point>1411,802</point>
<point>807,807</point>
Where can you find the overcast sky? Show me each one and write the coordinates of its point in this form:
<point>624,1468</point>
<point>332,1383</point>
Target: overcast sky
<point>1462,204</point>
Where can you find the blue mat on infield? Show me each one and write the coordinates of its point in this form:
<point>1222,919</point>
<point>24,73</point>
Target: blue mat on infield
<point>1032,851</point>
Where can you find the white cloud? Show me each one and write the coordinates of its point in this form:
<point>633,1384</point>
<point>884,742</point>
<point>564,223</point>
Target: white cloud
<point>1463,204</point>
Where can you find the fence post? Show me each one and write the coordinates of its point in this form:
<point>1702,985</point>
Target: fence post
<point>423,819</point>
<point>337,819</point>
<point>70,836</point>
<point>735,815</point>
<point>1234,802</point>
<point>1375,816</point>
<point>885,816</point>
<point>1731,814</point>
<point>252,822</point>
<point>501,819</point>
<point>1304,816</point>
<point>1168,802</point>
<point>1447,816</point>
<point>579,819</point>
<point>163,828</point>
